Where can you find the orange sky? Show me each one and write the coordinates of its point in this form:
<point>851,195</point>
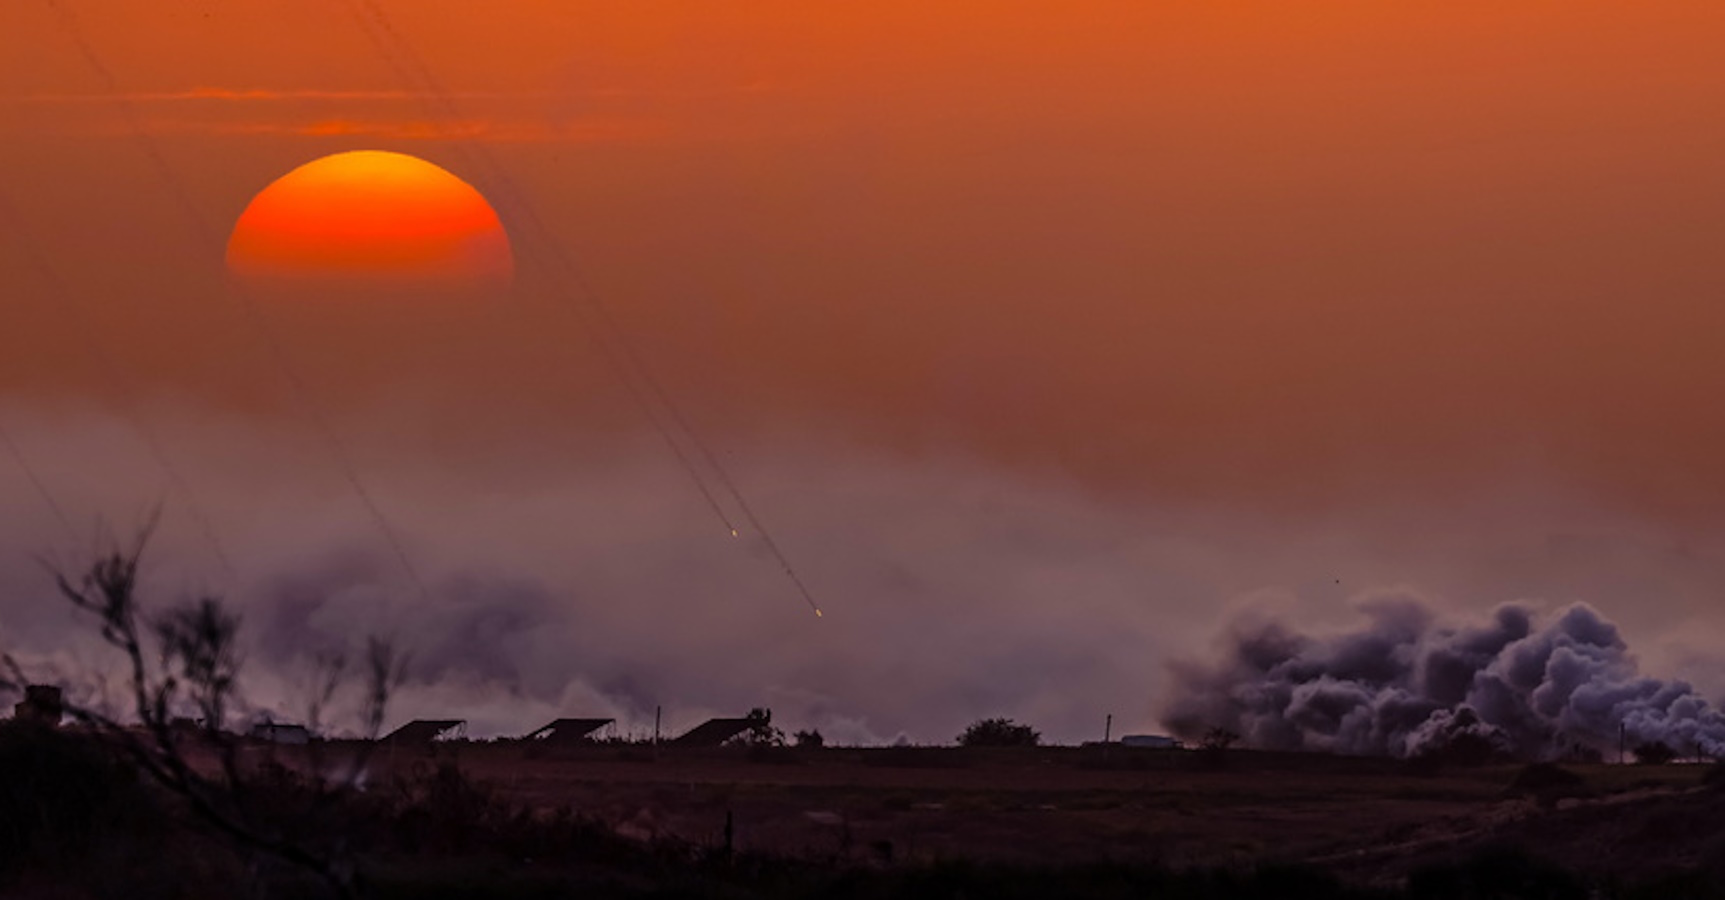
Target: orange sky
<point>1258,256</point>
<point>1202,246</point>
<point>1234,244</point>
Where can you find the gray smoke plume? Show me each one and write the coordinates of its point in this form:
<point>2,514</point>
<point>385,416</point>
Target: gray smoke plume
<point>1402,684</point>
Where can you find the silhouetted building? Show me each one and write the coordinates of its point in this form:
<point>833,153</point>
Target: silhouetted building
<point>715,732</point>
<point>568,731</point>
<point>277,733</point>
<point>42,703</point>
<point>426,731</point>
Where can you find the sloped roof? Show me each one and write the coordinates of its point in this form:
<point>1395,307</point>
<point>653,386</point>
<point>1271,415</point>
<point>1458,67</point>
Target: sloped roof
<point>567,731</point>
<point>281,733</point>
<point>278,726</point>
<point>714,732</point>
<point>424,731</point>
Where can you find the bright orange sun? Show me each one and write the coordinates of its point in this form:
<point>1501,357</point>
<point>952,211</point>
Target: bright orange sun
<point>371,217</point>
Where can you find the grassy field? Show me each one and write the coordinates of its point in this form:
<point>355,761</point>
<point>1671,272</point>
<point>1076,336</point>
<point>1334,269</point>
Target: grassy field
<point>1371,818</point>
<point>626,821</point>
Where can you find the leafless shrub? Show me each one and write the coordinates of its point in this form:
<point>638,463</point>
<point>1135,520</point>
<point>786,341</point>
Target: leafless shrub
<point>187,660</point>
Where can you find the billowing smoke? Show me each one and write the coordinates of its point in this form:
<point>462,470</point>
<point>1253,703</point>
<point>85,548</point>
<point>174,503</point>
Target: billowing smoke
<point>1403,683</point>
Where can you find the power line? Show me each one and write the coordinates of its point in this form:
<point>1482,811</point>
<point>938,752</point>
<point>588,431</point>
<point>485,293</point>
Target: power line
<point>67,303</point>
<point>206,233</point>
<point>411,70</point>
<point>35,479</point>
<point>601,326</point>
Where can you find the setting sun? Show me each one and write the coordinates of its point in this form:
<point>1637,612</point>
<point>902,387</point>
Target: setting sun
<point>1200,417</point>
<point>371,217</point>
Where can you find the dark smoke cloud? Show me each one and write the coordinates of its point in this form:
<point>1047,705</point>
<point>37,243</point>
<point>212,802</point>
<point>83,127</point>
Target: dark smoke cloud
<point>1403,683</point>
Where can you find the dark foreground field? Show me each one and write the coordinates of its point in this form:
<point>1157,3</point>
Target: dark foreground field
<point>506,820</point>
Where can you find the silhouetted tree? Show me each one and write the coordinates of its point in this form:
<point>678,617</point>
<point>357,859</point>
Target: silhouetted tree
<point>1213,747</point>
<point>761,732</point>
<point>1000,732</point>
<point>187,658</point>
<point>810,739</point>
<point>1218,740</point>
<point>1654,753</point>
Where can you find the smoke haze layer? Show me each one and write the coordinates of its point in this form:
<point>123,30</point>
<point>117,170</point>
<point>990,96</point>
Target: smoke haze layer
<point>1404,683</point>
<point>579,573</point>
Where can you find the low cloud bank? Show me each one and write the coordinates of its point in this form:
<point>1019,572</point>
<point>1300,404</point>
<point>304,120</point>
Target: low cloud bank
<point>575,574</point>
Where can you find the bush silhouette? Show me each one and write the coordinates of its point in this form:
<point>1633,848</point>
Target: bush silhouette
<point>761,731</point>
<point>1000,732</point>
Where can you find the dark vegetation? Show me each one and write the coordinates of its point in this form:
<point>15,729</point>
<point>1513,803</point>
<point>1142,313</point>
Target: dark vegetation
<point>998,733</point>
<point>1654,753</point>
<point>1214,746</point>
<point>171,803</point>
<point>180,686</point>
<point>58,793</point>
<point>761,732</point>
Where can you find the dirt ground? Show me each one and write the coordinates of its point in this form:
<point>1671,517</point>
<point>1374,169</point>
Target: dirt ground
<point>1368,819</point>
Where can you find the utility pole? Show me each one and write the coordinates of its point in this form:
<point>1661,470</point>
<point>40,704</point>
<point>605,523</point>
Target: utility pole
<point>1622,741</point>
<point>656,711</point>
<point>1108,729</point>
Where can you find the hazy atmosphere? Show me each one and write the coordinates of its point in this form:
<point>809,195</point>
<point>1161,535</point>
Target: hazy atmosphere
<point>1056,354</point>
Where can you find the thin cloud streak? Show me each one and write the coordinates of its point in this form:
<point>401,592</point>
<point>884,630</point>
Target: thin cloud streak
<point>492,130</point>
<point>423,130</point>
<point>272,95</point>
<point>265,95</point>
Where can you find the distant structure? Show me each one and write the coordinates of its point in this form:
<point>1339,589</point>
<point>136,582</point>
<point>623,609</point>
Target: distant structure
<point>1151,741</point>
<point>42,703</point>
<point>426,731</point>
<point>714,732</point>
<point>277,733</point>
<point>562,732</point>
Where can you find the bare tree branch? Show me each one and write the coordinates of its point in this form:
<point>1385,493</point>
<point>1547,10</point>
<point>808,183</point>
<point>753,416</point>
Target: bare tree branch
<point>197,667</point>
